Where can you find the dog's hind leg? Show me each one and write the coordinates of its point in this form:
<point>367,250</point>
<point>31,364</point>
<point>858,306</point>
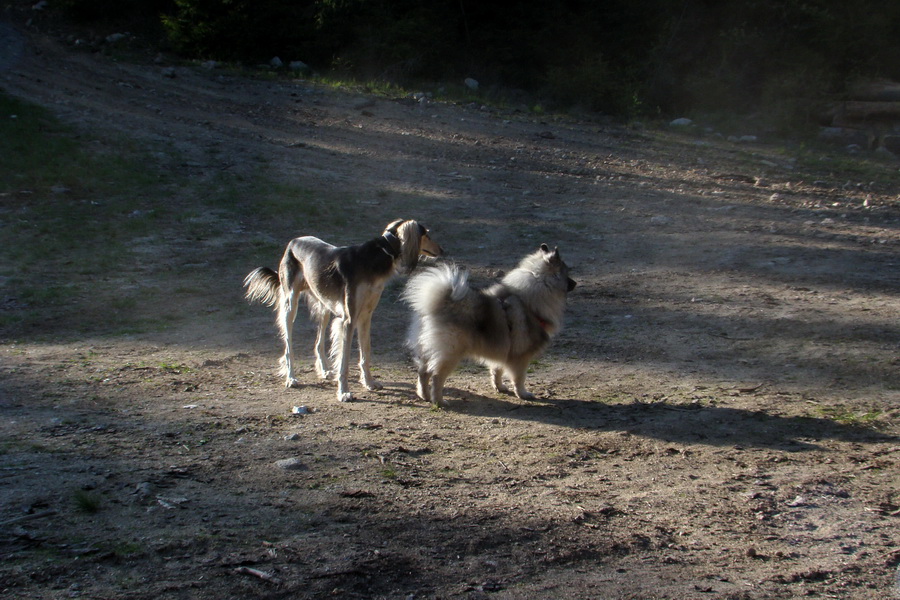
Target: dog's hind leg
<point>363,338</point>
<point>518,376</point>
<point>412,342</point>
<point>423,390</point>
<point>290,275</point>
<point>438,377</point>
<point>341,342</point>
<point>497,379</point>
<point>287,312</point>
<point>322,358</point>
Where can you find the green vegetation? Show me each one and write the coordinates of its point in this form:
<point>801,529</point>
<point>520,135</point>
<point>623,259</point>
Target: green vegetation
<point>850,417</point>
<point>626,57</point>
<point>73,207</point>
<point>126,550</point>
<point>76,203</point>
<point>96,214</point>
<point>175,368</point>
<point>86,502</point>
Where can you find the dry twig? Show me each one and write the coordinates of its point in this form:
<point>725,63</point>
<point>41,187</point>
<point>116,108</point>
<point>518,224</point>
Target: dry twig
<point>257,573</point>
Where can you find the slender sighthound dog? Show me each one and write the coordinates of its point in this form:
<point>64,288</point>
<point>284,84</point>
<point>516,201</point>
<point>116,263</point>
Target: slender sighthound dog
<point>341,282</point>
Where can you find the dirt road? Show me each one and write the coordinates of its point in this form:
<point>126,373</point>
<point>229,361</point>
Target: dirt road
<point>718,419</point>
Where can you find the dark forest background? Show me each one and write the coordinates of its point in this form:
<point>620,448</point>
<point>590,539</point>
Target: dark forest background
<point>620,57</point>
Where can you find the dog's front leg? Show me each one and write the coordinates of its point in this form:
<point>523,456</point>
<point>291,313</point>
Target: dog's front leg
<point>345,338</point>
<point>363,337</point>
<point>518,375</point>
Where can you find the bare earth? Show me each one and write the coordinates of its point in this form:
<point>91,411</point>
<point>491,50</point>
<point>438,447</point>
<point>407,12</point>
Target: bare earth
<point>718,419</point>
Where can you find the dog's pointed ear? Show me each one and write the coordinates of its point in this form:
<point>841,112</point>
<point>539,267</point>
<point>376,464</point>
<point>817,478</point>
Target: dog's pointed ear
<point>548,255</point>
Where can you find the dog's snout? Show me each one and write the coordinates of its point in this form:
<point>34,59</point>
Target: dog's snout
<point>430,247</point>
<point>572,284</point>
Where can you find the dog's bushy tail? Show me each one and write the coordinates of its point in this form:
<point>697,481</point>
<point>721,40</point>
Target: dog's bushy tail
<point>262,286</point>
<point>429,289</point>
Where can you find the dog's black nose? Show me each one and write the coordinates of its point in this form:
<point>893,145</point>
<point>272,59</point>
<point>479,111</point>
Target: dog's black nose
<point>572,284</point>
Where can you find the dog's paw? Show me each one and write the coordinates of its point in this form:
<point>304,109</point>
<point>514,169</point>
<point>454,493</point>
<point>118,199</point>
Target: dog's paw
<point>345,397</point>
<point>326,375</point>
<point>501,389</point>
<point>373,386</point>
<point>291,382</point>
<point>523,395</point>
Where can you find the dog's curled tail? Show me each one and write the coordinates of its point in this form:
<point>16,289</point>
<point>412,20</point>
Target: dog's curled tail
<point>262,286</point>
<point>430,288</point>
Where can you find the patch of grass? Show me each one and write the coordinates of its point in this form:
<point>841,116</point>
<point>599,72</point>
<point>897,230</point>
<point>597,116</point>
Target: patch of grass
<point>276,199</point>
<point>89,219</point>
<point>125,550</point>
<point>175,368</point>
<point>14,445</point>
<point>123,303</point>
<point>537,365</point>
<point>70,208</point>
<point>849,417</point>
<point>456,93</point>
<point>28,165</point>
<point>11,321</point>
<point>87,502</point>
<point>75,195</point>
<point>850,167</point>
<point>379,88</point>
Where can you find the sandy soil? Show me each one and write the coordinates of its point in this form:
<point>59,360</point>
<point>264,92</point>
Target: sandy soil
<point>718,419</point>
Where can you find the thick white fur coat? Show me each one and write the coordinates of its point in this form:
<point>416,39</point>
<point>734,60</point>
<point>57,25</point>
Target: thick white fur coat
<point>503,326</point>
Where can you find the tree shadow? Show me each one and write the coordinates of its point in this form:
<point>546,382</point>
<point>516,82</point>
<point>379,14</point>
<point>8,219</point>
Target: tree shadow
<point>719,426</point>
